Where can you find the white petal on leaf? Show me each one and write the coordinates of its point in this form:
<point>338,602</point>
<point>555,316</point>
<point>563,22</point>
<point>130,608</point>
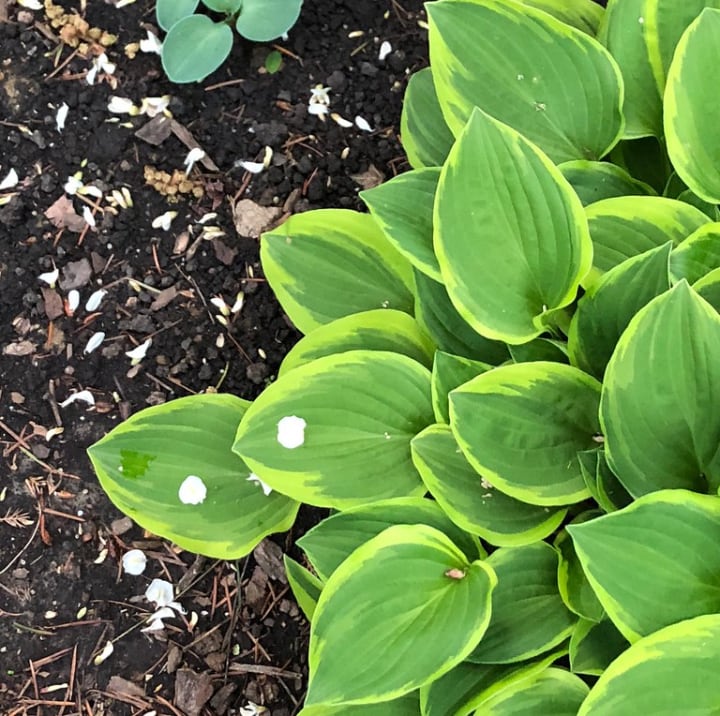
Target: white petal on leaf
<point>252,477</point>
<point>192,491</point>
<point>291,431</point>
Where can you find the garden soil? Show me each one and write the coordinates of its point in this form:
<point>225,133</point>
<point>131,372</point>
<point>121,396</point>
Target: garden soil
<point>63,595</point>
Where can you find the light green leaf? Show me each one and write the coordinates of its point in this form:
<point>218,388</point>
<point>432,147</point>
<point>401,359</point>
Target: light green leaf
<point>450,372</point>
<point>194,47</point>
<point>470,501</point>
<point>554,691</point>
<point>403,209</point>
<point>654,562</point>
<point>659,404</point>
<point>521,427</point>
<point>693,134</point>
<point>623,34</point>
<point>552,83</point>
<point>329,543</point>
<point>423,132</point>
<point>361,410</point>
<point>594,181</point>
<point>143,461</point>
<point>575,590</point>
<point>402,610</point>
<point>709,288</point>
<point>667,673</point>
<point>628,226</point>
<point>584,15</point>
<point>306,587</point>
<point>528,615</point>
<point>593,646</point>
<point>404,706</point>
<point>697,255</point>
<point>329,263</point>
<point>168,12</point>
<point>664,22</point>
<point>607,307</point>
<point>538,349</point>
<point>380,330</point>
<point>265,20</point>
<point>436,314</point>
<point>510,233</point>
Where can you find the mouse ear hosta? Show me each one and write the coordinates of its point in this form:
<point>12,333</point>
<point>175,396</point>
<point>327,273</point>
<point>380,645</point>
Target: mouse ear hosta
<point>508,387</point>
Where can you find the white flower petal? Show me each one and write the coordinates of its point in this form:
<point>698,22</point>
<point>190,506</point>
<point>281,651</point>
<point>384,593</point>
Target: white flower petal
<point>219,303</point>
<point>139,352</point>
<point>50,277</point>
<point>154,625</point>
<point>252,477</point>
<point>73,301</point>
<point>291,431</point>
<point>120,105</point>
<point>85,395</point>
<point>385,50</point>
<point>152,106</point>
<point>151,44</point>
<point>10,180</point>
<point>61,116</point>
<point>164,220</point>
<point>362,124</point>
<point>88,216</point>
<point>73,185</point>
<point>194,155</point>
<point>341,120</point>
<point>252,709</point>
<point>92,74</point>
<point>95,340</point>
<point>104,654</point>
<point>163,613</point>
<point>93,303</point>
<point>319,95</point>
<point>90,190</point>
<point>252,167</point>
<point>31,4</point>
<point>134,562</point>
<point>318,109</point>
<point>239,301</point>
<point>192,491</point>
<point>161,592</point>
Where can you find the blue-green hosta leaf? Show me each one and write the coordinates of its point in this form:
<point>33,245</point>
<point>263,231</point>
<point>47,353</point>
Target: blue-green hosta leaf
<point>521,427</point>
<point>143,461</point>
<point>709,288</point>
<point>402,610</point>
<point>546,349</point>
<point>584,15</point>
<point>511,236</point>
<point>404,706</point>
<point>470,501</point>
<point>555,85</point>
<point>329,543</point>
<point>698,255</point>
<point>403,209</point>
<point>329,263</point>
<point>194,47</point>
<point>450,372</point>
<point>594,181</point>
<point>669,672</point>
<point>594,645</point>
<point>380,330</point>
<point>693,135</point>
<point>361,409</point>
<point>659,404</point>
<point>528,614</point>
<point>654,562</point>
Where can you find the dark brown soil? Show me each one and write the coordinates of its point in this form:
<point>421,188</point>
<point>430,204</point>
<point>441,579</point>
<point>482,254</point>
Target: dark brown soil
<point>62,593</point>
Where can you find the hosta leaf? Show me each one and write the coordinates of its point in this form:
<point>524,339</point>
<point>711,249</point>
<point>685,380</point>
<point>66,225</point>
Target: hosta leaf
<point>329,263</point>
<point>521,427</point>
<point>380,330</point>
<point>659,403</point>
<point>623,35</point>
<point>709,288</point>
<point>403,209</point>
<point>605,310</point>
<point>584,15</point>
<point>144,460</point>
<point>401,611</point>
<point>306,587</point>
<point>470,501</point>
<point>669,672</point>
<point>628,226</point>
<point>528,615</point>
<point>168,12</point>
<point>693,134</point>
<point>361,408</point>
<point>329,543</point>
<point>265,20</point>
<point>194,47</point>
<point>698,255</point>
<point>404,706</point>
<point>436,314</point>
<point>594,181</point>
<point>510,234</point>
<point>425,136</point>
<point>552,83</point>
<point>540,349</point>
<point>594,645</point>
<point>554,691</point>
<point>666,543</point>
<point>450,372</point>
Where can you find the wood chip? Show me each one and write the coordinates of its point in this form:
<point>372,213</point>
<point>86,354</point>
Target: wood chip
<point>53,303</point>
<point>123,687</point>
<point>223,253</point>
<point>251,219</point>
<point>21,348</point>
<point>62,215</point>
<point>269,556</point>
<point>166,296</point>
<point>192,691</point>
<point>370,178</point>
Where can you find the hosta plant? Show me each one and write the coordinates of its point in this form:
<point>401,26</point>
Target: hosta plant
<point>508,387</point>
<point>197,45</point>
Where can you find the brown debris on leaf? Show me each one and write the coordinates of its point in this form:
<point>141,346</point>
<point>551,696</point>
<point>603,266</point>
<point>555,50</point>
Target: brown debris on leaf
<point>251,219</point>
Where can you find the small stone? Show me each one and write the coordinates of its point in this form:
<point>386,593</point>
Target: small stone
<point>257,372</point>
<point>121,526</point>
